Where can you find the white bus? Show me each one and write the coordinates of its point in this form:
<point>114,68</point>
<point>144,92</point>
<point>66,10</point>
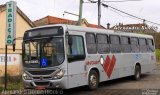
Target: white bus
<point>67,56</point>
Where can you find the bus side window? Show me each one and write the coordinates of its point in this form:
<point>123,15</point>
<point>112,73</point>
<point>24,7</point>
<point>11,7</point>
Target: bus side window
<point>125,44</point>
<point>134,45</point>
<point>115,44</point>
<point>142,45</point>
<point>150,45</point>
<point>102,44</point>
<point>91,43</point>
<point>76,50</point>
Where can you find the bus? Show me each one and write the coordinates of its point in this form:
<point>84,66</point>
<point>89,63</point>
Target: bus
<point>67,56</point>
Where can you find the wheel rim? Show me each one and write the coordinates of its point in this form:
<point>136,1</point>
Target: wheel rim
<point>93,80</point>
<point>138,74</point>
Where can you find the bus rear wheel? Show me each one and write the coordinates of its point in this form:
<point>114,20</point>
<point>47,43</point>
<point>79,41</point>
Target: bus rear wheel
<point>137,72</point>
<point>93,80</point>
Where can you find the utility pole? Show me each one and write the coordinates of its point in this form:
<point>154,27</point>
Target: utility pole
<point>80,12</point>
<point>99,13</point>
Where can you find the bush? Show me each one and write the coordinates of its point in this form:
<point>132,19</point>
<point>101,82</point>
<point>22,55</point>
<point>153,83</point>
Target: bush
<point>158,54</point>
<point>14,79</point>
<point>13,82</point>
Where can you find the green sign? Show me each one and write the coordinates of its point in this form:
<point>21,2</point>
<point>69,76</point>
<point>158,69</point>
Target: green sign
<point>11,23</point>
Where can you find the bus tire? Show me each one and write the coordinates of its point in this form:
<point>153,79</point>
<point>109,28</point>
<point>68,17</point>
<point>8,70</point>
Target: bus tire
<point>93,80</point>
<point>137,72</point>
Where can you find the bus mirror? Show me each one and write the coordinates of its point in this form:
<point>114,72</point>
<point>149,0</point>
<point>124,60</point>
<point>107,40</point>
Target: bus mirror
<point>70,40</point>
<point>14,47</point>
<point>22,46</point>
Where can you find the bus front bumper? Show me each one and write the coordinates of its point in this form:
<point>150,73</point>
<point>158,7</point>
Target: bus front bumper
<point>46,84</point>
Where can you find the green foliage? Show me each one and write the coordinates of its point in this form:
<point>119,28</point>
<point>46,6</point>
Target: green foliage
<point>13,83</point>
<point>158,53</point>
<point>1,89</point>
<point>15,86</point>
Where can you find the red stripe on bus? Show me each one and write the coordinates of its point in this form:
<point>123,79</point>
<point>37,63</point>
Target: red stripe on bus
<point>106,64</point>
<point>111,66</point>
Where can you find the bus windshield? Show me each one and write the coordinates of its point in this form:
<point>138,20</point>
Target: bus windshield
<point>43,53</point>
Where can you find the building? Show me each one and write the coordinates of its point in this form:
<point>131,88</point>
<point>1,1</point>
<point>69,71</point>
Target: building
<point>140,28</point>
<point>135,28</point>
<point>14,58</point>
<point>55,20</point>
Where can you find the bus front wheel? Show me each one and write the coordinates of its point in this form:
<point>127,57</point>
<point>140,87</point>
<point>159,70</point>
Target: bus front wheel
<point>93,80</point>
<point>137,73</point>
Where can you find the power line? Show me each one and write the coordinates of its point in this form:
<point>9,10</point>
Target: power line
<point>99,6</point>
<point>90,1</point>
<point>107,6</point>
<point>122,1</point>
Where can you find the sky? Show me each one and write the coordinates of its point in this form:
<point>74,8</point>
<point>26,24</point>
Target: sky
<point>146,9</point>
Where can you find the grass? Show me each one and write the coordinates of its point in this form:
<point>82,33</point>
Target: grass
<point>1,89</point>
<point>15,86</point>
<point>158,54</point>
<point>13,83</point>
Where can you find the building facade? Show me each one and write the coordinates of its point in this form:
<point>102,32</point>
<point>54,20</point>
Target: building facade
<point>23,23</point>
<point>140,28</point>
<point>135,28</point>
<point>48,20</point>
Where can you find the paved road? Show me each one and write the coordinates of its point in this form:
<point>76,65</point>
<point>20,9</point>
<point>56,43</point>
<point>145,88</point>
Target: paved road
<point>147,85</point>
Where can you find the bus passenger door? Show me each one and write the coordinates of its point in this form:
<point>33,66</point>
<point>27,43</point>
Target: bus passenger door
<point>76,56</point>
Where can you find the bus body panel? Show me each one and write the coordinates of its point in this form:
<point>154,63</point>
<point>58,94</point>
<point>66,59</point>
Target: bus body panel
<point>77,76</point>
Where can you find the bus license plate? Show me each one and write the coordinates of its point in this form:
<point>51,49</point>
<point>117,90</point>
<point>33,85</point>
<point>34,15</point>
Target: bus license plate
<point>40,88</point>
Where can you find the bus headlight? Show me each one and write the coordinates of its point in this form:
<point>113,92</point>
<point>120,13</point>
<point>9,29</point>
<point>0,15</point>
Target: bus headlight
<point>26,76</point>
<point>59,74</point>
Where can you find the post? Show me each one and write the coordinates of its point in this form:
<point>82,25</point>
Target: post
<point>11,9</point>
<point>5,79</point>
<point>99,13</point>
<point>80,12</point>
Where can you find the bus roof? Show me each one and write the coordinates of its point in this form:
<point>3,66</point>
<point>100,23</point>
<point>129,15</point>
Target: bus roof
<point>105,31</point>
<point>95,30</point>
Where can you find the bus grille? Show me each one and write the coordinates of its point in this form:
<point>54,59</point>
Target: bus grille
<point>38,78</point>
<point>44,72</point>
<point>42,83</point>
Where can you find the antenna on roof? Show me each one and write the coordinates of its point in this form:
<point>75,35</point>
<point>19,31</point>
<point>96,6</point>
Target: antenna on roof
<point>69,13</point>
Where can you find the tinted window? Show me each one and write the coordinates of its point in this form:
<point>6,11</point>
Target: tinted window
<point>102,43</point>
<point>91,43</point>
<point>150,45</point>
<point>125,44</point>
<point>134,44</point>
<point>143,45</point>
<point>76,50</point>
<point>115,44</point>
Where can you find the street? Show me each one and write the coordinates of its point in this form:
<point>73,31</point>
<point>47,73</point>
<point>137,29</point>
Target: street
<point>147,85</point>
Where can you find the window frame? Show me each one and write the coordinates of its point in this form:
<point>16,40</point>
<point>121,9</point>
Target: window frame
<point>129,43</point>
<point>91,43</point>
<point>140,48</point>
<point>108,42</point>
<point>153,44</point>
<point>76,57</point>
<point>134,44</point>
